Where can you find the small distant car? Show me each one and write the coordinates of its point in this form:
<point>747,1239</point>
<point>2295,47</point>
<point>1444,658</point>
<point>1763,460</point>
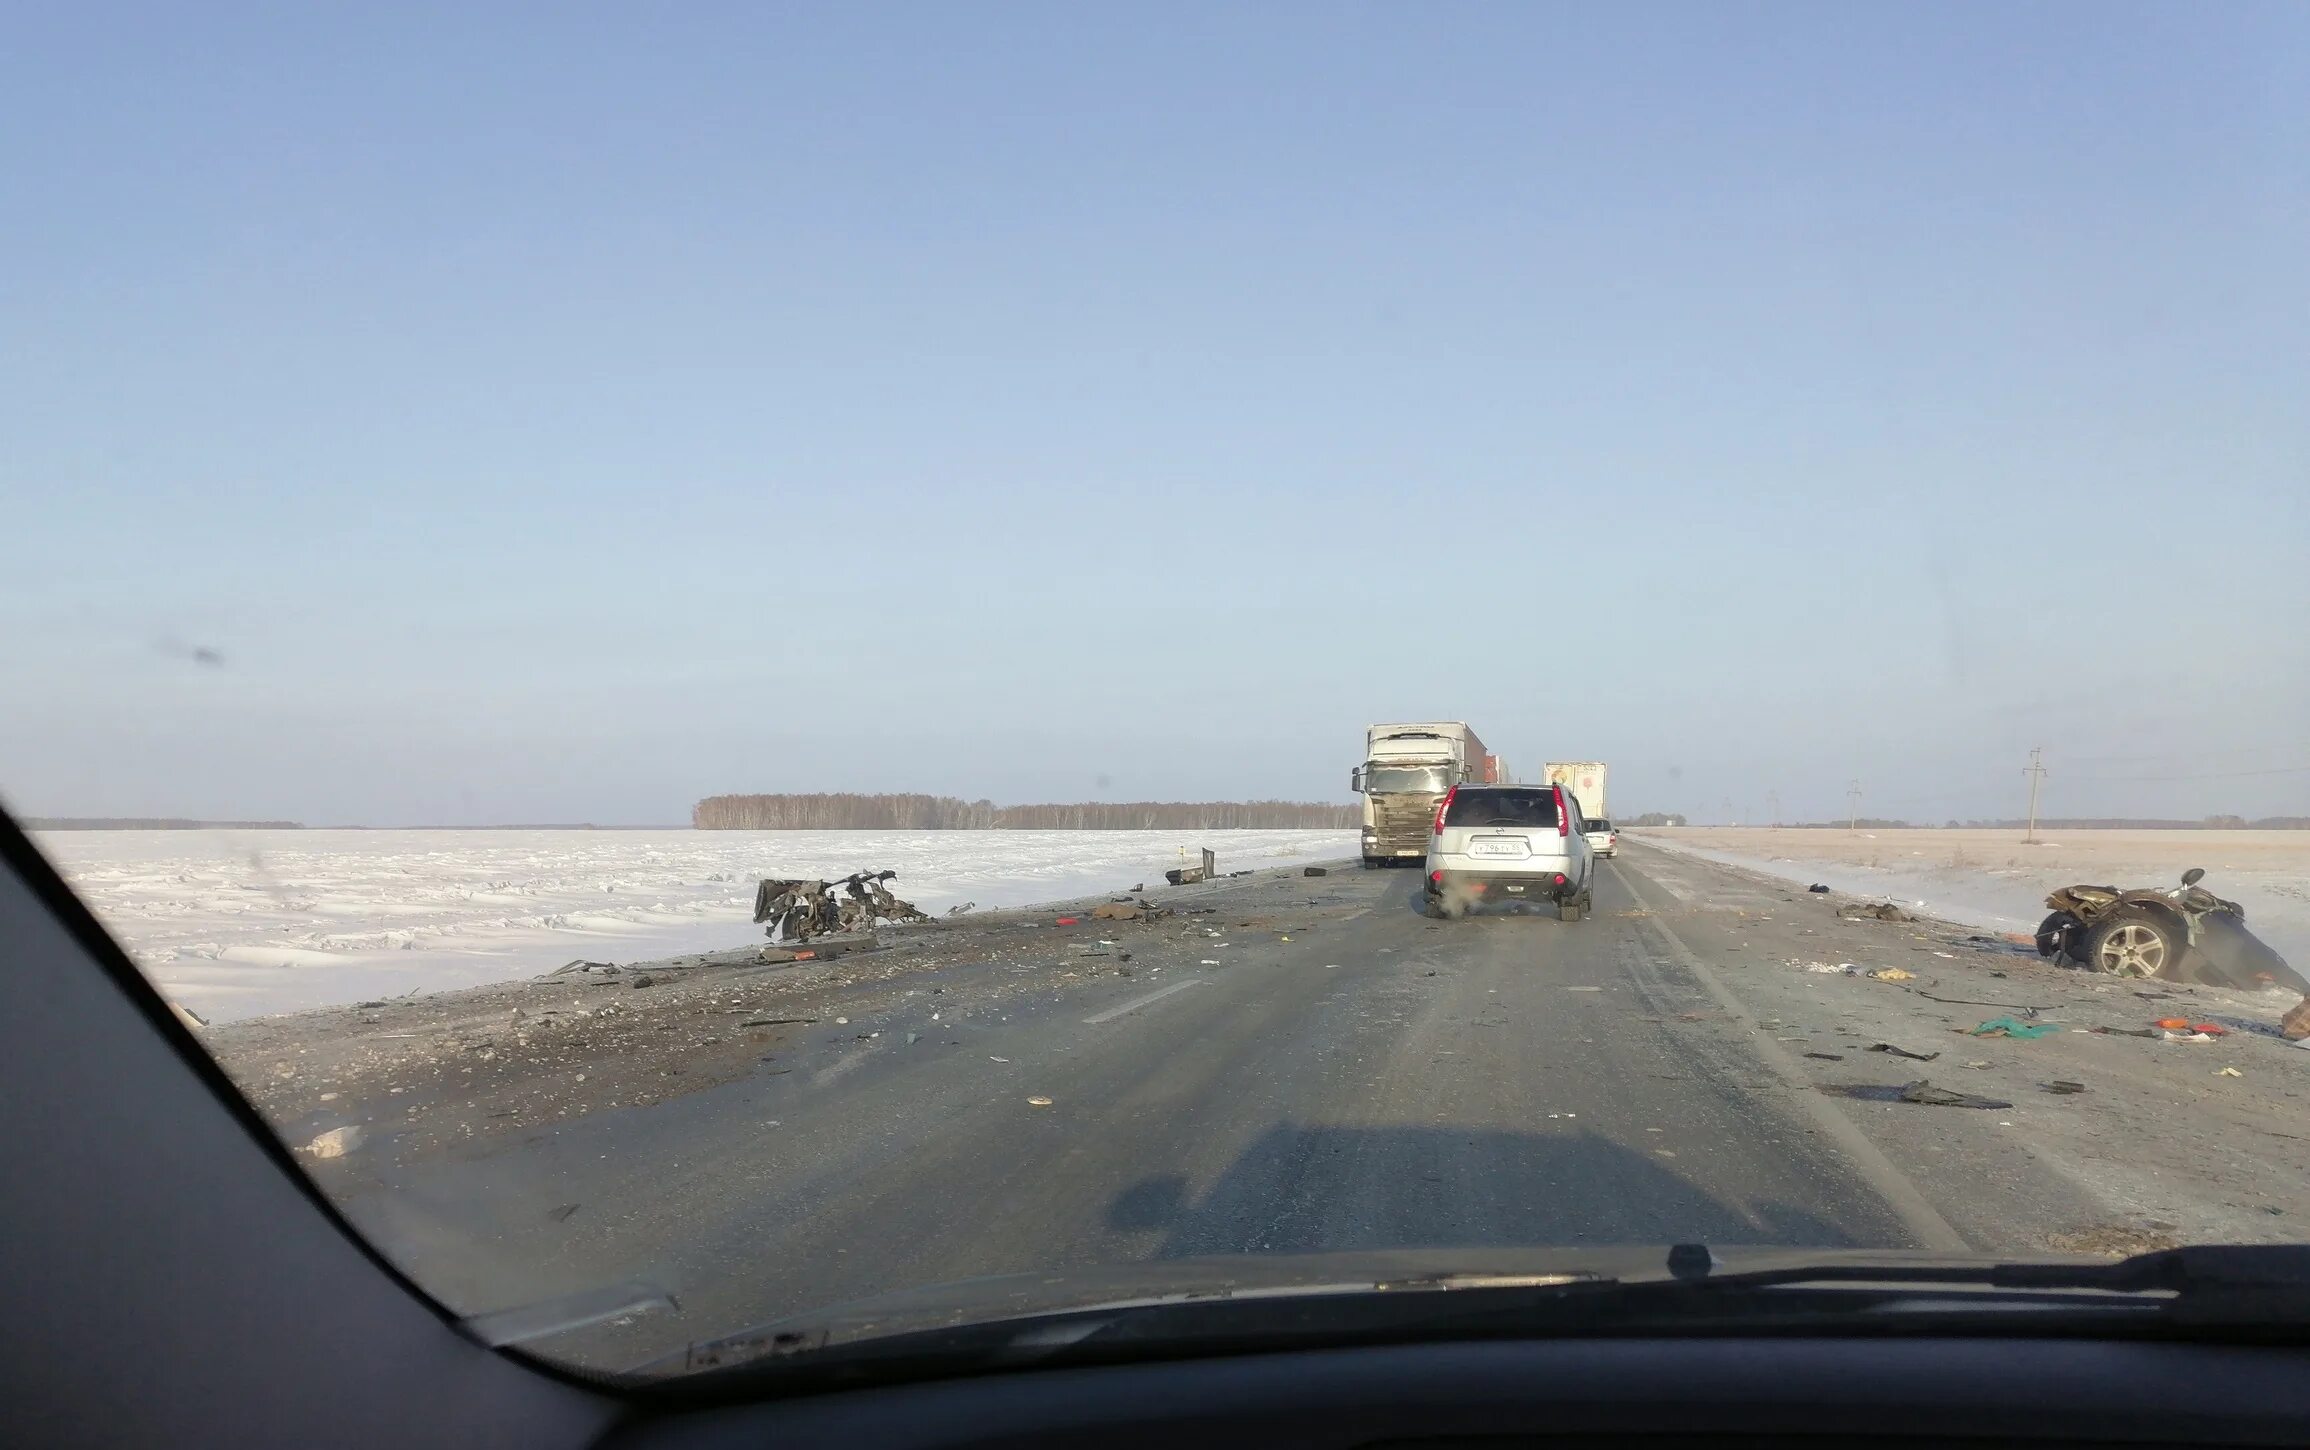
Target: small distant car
<point>1604,840</point>
<point>1496,845</point>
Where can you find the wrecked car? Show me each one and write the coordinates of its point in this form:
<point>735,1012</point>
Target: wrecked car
<point>2184,933</point>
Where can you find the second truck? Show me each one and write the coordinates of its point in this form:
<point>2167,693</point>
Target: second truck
<point>1407,770</point>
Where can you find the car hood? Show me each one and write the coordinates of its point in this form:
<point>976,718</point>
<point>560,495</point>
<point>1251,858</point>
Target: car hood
<point>1011,1297</point>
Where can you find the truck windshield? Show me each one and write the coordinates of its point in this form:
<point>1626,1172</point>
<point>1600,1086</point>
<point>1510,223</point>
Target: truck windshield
<point>1394,779</point>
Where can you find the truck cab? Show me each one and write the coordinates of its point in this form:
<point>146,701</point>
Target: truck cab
<point>1407,771</point>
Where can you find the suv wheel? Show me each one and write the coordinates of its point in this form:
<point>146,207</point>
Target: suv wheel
<point>2132,944</point>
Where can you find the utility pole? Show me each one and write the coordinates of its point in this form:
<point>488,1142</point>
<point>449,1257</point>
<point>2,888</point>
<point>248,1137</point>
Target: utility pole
<point>1731,816</point>
<point>1773,799</point>
<point>1853,799</point>
<point>2036,773</point>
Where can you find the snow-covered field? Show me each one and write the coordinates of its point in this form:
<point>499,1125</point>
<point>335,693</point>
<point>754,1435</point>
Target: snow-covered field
<point>1990,879</point>
<point>244,923</point>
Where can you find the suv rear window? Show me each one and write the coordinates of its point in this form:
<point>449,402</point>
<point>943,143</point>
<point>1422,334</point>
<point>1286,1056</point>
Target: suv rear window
<point>1503,808</point>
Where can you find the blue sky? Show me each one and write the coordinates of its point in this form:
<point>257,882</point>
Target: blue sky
<point>561,413</point>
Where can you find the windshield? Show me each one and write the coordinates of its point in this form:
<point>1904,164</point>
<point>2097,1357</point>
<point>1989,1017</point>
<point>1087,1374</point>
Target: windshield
<point>718,650</point>
<point>1407,780</point>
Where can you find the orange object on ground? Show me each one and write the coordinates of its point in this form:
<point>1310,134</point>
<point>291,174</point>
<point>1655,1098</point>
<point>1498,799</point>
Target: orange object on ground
<point>2173,1024</point>
<point>1070,921</point>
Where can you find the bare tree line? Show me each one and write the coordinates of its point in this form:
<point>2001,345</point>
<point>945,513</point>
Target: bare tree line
<point>845,811</point>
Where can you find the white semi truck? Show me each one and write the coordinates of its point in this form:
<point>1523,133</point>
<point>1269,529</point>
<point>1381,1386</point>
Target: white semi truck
<point>1585,780</point>
<point>1406,771</point>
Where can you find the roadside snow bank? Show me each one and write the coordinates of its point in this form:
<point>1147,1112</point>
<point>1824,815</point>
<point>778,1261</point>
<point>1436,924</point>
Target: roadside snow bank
<point>243,923</point>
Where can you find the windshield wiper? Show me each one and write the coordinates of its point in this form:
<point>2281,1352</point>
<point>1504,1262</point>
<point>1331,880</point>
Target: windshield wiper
<point>2242,1288</point>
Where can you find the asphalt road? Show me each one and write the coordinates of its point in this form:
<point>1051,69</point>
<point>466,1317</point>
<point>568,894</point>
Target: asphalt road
<point>1370,1080</point>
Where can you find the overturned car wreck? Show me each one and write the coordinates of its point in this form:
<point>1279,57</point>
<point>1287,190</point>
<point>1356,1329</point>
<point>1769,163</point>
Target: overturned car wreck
<point>2185,934</point>
<point>799,910</point>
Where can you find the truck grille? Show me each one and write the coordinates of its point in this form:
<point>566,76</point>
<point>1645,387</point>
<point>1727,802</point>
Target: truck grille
<point>1404,820</point>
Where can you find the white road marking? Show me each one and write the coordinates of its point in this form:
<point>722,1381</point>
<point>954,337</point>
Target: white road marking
<point>1138,1002</point>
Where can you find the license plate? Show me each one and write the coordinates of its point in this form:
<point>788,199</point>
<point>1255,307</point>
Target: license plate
<point>1512,887</point>
<point>1497,848</point>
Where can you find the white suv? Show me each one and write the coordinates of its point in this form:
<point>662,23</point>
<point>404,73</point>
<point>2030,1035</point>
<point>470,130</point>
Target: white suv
<point>1500,844</point>
<point>1603,839</point>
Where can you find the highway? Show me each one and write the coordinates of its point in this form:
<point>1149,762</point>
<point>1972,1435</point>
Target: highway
<point>1340,1073</point>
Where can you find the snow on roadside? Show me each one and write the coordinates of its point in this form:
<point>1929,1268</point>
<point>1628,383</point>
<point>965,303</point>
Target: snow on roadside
<point>240,924</point>
<point>2012,899</point>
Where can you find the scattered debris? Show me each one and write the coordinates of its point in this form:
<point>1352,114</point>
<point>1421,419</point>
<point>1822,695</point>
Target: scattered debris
<point>1892,974</point>
<point>2063,1088</point>
<point>644,980</point>
<point>1190,875</point>
<point>2227,1072</point>
<point>1883,911</point>
<point>1976,1002</point>
<point>1038,1102</point>
<point>1068,921</point>
<point>1818,889</point>
<point>1315,871</point>
<point>800,910</point>
<point>1827,1056</point>
<point>2109,1241</point>
<point>581,965</point>
<point>2184,1024</point>
<point>2295,1025</point>
<point>2008,1027</point>
<point>1903,1052</point>
<point>1830,969</point>
<point>959,910</point>
<point>2126,1031</point>
<point>561,1214</point>
<point>1117,911</point>
<point>1924,1092</point>
<point>335,1143</point>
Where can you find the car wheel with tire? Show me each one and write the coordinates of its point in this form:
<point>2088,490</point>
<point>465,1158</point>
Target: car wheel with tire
<point>2133,944</point>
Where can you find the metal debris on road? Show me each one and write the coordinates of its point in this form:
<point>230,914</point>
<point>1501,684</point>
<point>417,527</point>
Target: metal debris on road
<point>2063,1088</point>
<point>1903,1052</point>
<point>799,910</point>
<point>1892,974</point>
<point>2228,1072</point>
<point>1038,1102</point>
<point>1924,1092</point>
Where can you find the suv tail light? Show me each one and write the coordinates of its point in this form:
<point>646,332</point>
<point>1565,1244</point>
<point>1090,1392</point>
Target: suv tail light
<point>1563,816</point>
<point>1444,805</point>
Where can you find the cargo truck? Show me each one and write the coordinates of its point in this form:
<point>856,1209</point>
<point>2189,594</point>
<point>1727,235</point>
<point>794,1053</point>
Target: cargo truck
<point>1406,771</point>
<point>1585,779</point>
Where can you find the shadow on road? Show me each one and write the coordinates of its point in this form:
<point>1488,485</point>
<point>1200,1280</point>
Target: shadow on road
<point>1304,1189</point>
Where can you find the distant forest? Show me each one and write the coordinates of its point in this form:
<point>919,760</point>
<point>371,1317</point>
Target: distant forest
<point>157,823</point>
<point>848,812</point>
